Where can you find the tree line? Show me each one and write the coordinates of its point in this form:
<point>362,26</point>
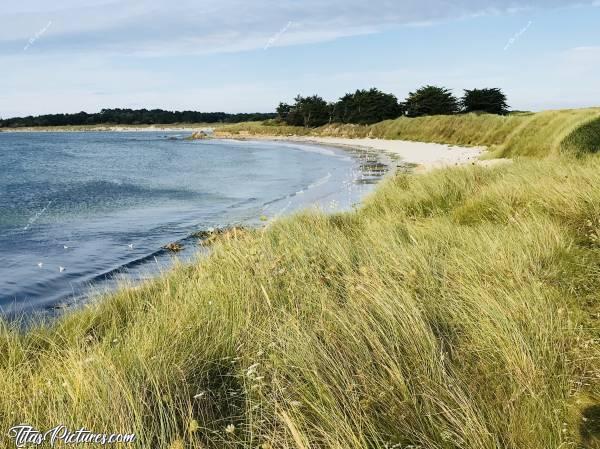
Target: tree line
<point>133,117</point>
<point>365,107</point>
<point>362,107</point>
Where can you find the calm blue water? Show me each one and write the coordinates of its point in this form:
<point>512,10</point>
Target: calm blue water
<point>99,204</point>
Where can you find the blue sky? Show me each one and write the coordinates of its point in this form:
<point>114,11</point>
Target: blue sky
<point>243,56</point>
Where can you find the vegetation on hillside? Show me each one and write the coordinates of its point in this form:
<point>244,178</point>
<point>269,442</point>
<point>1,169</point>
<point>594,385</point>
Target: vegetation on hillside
<point>431,100</point>
<point>491,101</point>
<point>575,131</point>
<point>306,111</point>
<point>456,309</point>
<point>365,107</point>
<point>362,107</point>
<point>570,132</point>
<point>583,139</point>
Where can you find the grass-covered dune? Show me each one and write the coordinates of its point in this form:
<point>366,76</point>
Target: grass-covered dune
<point>574,131</point>
<point>455,309</point>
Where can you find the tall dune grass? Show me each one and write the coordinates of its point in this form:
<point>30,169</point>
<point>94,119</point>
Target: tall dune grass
<point>584,139</point>
<point>546,134</point>
<point>569,131</point>
<point>456,309</point>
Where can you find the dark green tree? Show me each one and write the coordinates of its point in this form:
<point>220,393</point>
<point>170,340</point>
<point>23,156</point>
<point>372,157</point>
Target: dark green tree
<point>492,101</point>
<point>132,116</point>
<point>283,112</point>
<point>431,100</point>
<point>306,111</point>
<point>289,114</point>
<point>365,107</point>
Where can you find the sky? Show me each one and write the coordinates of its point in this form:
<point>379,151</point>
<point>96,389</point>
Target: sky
<point>68,56</point>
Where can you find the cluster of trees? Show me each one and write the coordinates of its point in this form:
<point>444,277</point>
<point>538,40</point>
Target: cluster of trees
<point>362,107</point>
<point>433,100</point>
<point>132,117</point>
<point>371,106</point>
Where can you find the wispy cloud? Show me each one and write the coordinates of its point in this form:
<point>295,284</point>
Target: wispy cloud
<point>582,60</point>
<point>208,55</point>
<point>156,27</point>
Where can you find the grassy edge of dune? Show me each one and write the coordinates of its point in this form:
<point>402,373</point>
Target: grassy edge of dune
<point>453,309</point>
<point>524,134</point>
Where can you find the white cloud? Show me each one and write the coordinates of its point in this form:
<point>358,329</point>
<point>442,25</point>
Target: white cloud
<point>77,63</point>
<point>580,62</point>
<point>585,52</point>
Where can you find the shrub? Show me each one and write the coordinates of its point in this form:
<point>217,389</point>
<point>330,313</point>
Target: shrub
<point>365,107</point>
<point>492,101</point>
<point>306,111</point>
<point>431,100</point>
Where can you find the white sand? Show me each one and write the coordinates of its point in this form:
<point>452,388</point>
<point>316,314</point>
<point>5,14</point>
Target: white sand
<point>425,155</point>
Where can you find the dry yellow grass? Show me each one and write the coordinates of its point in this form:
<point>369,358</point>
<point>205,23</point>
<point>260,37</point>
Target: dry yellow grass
<point>456,309</point>
<point>548,133</point>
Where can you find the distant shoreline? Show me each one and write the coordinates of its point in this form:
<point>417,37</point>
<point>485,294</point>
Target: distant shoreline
<point>327,192</point>
<point>423,155</point>
<point>426,156</point>
<point>113,128</point>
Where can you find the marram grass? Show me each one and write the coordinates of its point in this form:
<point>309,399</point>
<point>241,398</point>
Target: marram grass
<point>456,309</point>
<point>547,133</point>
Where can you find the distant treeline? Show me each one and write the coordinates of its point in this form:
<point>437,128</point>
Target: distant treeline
<point>366,107</point>
<point>363,107</point>
<point>133,117</point>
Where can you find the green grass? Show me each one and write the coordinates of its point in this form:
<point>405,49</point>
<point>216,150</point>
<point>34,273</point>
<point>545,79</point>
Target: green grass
<point>585,139</point>
<point>456,309</point>
<point>524,134</point>
<point>550,133</point>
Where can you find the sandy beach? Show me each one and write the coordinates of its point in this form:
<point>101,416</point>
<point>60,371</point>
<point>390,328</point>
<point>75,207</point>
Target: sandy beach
<point>426,156</point>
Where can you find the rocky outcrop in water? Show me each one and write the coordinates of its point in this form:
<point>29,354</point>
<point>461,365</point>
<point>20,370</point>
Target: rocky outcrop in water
<point>210,236</point>
<point>198,135</point>
<point>173,247</point>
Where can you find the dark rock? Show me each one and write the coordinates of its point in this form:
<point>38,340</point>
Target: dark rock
<point>173,247</point>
